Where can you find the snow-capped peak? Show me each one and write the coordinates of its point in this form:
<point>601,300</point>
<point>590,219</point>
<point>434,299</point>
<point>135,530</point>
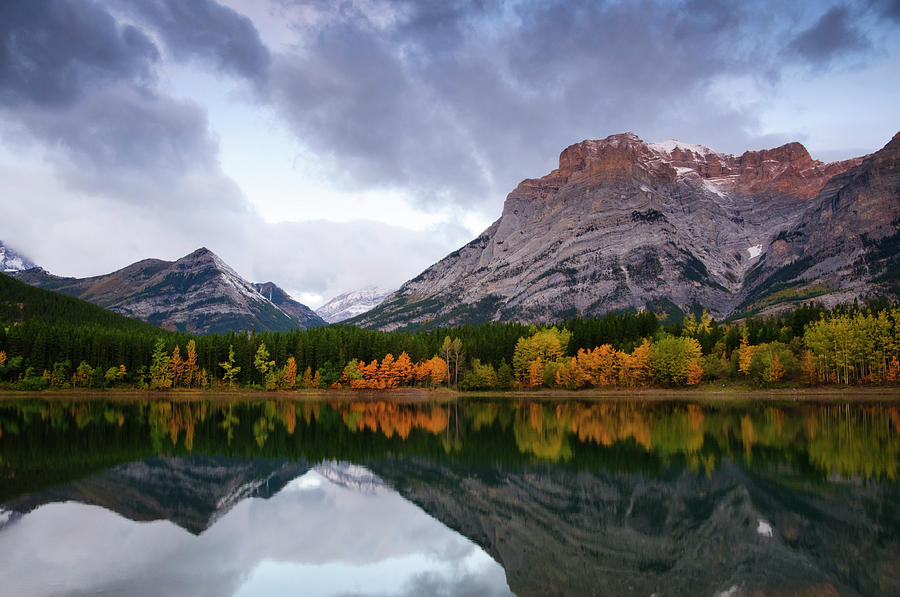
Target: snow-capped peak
<point>11,261</point>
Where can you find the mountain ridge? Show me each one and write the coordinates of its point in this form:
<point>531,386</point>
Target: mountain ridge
<point>197,293</point>
<point>625,224</point>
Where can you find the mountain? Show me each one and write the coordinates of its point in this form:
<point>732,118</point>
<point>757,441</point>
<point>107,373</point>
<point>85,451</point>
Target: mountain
<point>198,293</point>
<point>12,261</point>
<point>305,316</point>
<point>353,303</point>
<point>625,224</point>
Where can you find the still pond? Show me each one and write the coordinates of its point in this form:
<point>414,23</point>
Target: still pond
<point>476,496</point>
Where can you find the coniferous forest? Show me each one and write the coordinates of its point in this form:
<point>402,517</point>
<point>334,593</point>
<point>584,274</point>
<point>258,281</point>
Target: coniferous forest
<point>48,340</point>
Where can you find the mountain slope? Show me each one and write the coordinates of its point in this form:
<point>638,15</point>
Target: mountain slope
<point>20,302</point>
<point>625,224</point>
<point>198,293</point>
<point>353,303</point>
<point>12,261</point>
<point>305,316</point>
<point>847,242</point>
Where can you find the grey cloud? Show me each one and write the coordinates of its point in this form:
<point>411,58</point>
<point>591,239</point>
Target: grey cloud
<point>833,34</point>
<point>120,131</point>
<point>459,102</point>
<point>891,9</point>
<point>52,50</point>
<point>207,30</point>
<point>332,257</point>
<point>80,85</point>
<point>486,584</point>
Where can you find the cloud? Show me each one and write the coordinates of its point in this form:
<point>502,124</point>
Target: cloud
<point>889,9</point>
<point>206,30</point>
<point>832,35</point>
<point>52,51</point>
<point>459,101</point>
<point>328,258</point>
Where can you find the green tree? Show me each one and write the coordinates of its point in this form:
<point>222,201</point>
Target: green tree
<point>671,358</point>
<point>159,367</point>
<point>229,367</point>
<point>542,347</point>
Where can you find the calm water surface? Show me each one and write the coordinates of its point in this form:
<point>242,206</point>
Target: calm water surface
<point>473,497</point>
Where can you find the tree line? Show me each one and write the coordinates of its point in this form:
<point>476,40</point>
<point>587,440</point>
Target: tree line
<point>51,341</point>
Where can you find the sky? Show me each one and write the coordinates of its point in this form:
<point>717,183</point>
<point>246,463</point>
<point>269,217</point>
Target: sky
<point>329,145</point>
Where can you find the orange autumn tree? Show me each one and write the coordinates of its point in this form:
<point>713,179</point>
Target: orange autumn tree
<point>191,370</point>
<point>387,375</point>
<point>288,376</point>
<point>404,369</point>
<point>176,368</point>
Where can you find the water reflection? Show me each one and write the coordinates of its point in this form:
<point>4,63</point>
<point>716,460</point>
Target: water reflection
<point>585,498</point>
<point>333,530</point>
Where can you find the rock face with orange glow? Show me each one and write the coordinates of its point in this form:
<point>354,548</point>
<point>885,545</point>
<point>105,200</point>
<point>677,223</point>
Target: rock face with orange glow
<point>627,224</point>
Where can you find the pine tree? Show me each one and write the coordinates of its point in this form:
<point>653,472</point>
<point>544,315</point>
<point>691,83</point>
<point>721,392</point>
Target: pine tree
<point>159,367</point>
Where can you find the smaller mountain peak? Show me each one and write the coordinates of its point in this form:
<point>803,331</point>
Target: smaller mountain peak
<point>202,252</point>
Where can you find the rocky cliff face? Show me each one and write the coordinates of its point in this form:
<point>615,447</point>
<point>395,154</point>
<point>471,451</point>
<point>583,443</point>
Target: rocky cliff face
<point>12,261</point>
<point>627,224</point>
<point>845,243</point>
<point>198,293</point>
<point>353,303</point>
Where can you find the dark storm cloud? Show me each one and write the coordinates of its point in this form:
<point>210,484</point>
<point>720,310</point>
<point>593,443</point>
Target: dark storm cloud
<point>119,134</point>
<point>52,50</point>
<point>458,101</point>
<point>888,8</point>
<point>81,85</point>
<point>832,35</point>
<point>207,30</point>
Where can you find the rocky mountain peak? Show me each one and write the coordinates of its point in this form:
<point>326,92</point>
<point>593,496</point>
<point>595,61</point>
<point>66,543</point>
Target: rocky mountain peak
<point>198,293</point>
<point>625,224</point>
<point>201,256</point>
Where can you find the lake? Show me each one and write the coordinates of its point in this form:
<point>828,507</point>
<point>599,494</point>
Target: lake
<point>476,496</point>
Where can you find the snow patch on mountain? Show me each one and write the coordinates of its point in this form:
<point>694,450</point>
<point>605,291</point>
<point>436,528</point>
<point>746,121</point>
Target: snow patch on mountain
<point>353,303</point>
<point>667,147</point>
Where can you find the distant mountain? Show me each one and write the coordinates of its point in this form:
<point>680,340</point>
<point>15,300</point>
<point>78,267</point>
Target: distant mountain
<point>625,224</point>
<point>13,261</point>
<point>198,293</point>
<point>300,312</point>
<point>353,303</point>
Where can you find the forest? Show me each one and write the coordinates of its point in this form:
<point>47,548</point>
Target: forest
<point>51,341</point>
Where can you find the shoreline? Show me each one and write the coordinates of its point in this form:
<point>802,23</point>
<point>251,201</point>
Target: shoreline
<point>416,395</point>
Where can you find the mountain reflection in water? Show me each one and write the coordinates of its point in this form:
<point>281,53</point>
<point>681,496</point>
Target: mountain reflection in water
<point>569,497</point>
